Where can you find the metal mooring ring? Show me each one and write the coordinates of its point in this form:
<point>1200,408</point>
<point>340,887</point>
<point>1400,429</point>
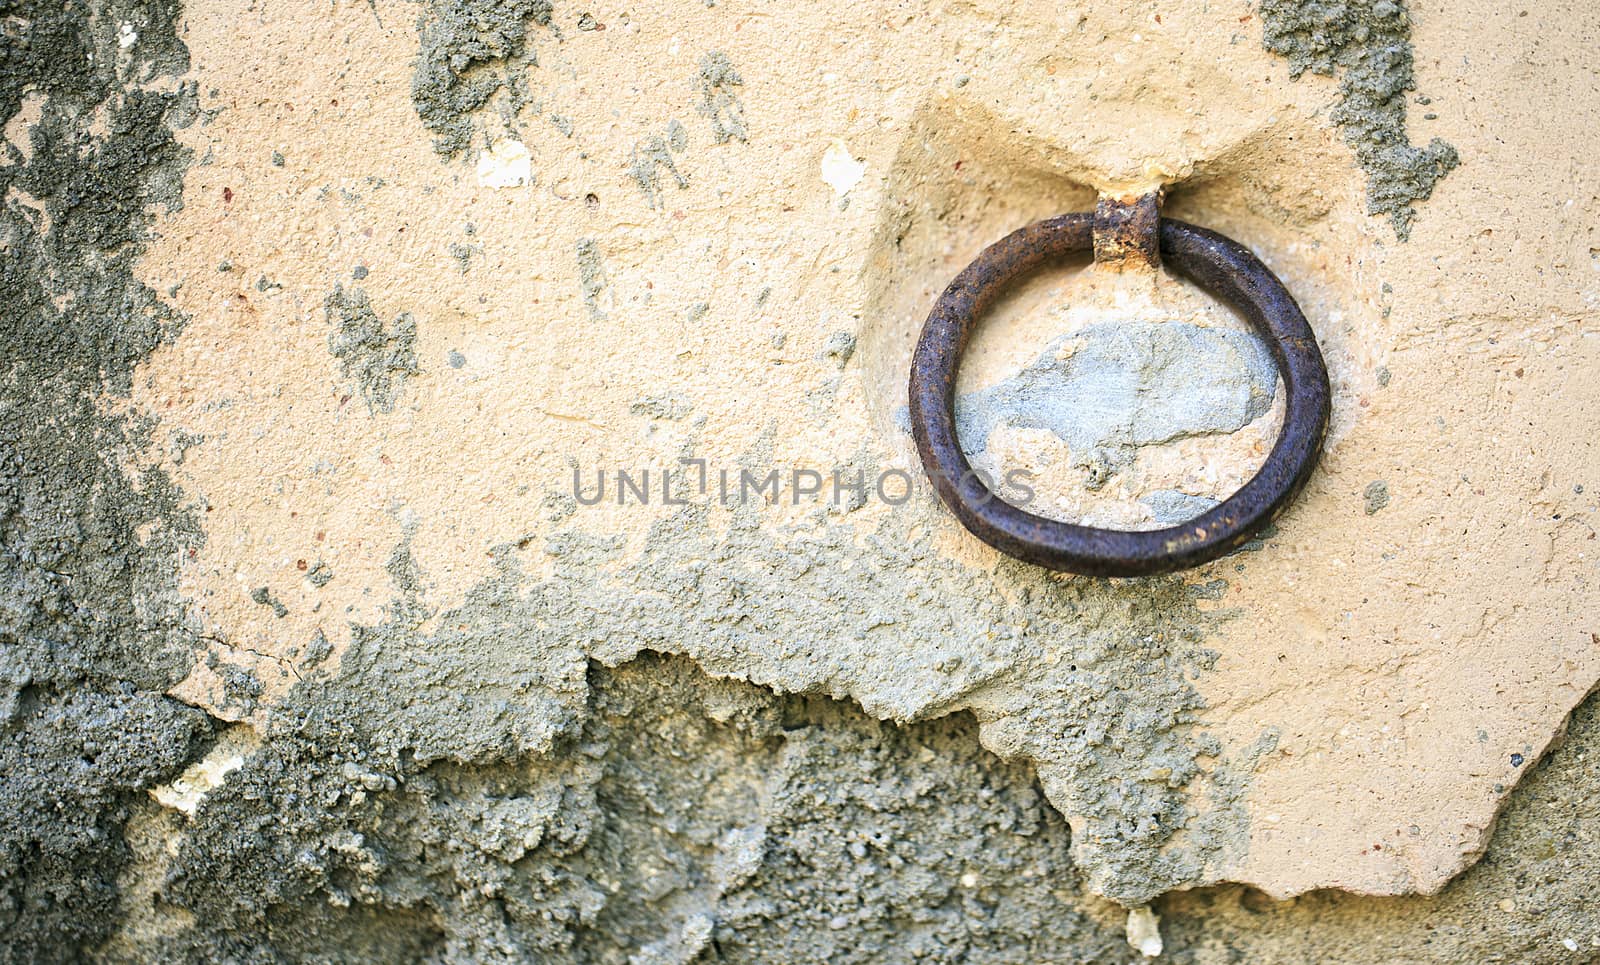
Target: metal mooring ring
<point>1129,233</point>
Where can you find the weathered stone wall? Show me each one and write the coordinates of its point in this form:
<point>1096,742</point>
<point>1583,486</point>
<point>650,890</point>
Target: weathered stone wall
<point>311,648</point>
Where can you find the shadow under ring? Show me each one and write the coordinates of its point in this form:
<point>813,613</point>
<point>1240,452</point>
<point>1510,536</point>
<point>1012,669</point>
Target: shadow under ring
<point>1221,267</point>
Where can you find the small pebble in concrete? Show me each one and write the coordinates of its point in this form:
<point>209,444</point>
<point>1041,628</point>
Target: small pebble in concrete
<point>1377,496</point>
<point>264,596</point>
<point>839,347</point>
<point>320,574</point>
<point>1144,932</point>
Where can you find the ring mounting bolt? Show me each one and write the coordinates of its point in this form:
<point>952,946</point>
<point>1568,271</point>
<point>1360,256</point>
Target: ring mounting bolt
<point>1127,231</point>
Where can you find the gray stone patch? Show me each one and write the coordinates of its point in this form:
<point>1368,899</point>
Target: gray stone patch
<point>1113,387</point>
<point>1367,43</point>
<point>320,574</point>
<point>318,650</point>
<point>469,52</point>
<point>1110,718</point>
<point>263,596</point>
<point>240,687</point>
<point>650,158</point>
<point>1376,496</point>
<point>592,280</point>
<point>1170,507</point>
<point>666,407</point>
<point>378,358</point>
<point>462,252</point>
<point>719,100</point>
<point>839,348</point>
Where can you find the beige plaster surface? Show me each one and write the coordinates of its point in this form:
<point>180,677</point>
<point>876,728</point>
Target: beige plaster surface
<point>1402,656</point>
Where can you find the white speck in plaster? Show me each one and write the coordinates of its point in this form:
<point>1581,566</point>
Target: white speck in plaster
<point>840,170</point>
<point>199,779</point>
<point>506,164</point>
<point>126,37</point>
<point>1144,932</point>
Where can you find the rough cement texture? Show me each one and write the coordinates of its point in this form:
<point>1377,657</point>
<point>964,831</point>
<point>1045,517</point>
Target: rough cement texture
<point>376,357</point>
<point>472,52</point>
<point>1367,43</point>
<point>482,684</point>
<point>719,100</point>
<point>726,290</point>
<point>679,818</point>
<point>651,163</point>
<point>490,760</point>
<point>91,631</point>
<point>592,277</point>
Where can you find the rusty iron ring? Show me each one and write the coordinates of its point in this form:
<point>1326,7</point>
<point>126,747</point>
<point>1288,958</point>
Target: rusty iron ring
<point>1224,269</point>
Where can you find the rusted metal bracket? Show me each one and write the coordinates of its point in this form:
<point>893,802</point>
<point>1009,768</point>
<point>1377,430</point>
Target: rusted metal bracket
<point>1127,231</point>
<point>1120,234</point>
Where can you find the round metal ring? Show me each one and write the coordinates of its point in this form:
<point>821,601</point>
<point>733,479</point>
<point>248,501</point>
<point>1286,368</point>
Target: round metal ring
<point>1225,270</point>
